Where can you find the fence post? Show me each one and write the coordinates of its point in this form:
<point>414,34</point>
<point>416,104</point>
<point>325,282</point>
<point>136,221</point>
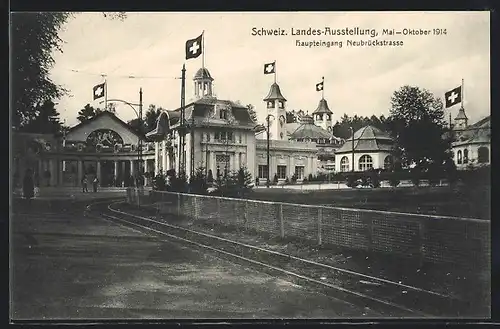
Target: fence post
<point>218,211</point>
<point>196,207</point>
<point>370,232</point>
<point>320,220</point>
<point>178,204</point>
<point>245,220</point>
<point>281,220</point>
<point>421,242</point>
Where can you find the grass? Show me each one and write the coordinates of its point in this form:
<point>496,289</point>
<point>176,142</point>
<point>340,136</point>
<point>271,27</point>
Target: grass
<point>463,201</point>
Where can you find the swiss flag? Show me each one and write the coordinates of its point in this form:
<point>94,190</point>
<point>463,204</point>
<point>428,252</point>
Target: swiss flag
<point>98,90</point>
<point>269,68</point>
<point>194,47</point>
<point>453,96</point>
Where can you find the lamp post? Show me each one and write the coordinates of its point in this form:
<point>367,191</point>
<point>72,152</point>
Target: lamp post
<point>352,140</point>
<point>139,116</point>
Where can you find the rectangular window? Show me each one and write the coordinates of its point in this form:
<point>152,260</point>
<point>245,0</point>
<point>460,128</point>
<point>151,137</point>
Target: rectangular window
<point>281,172</point>
<point>299,172</point>
<point>217,135</point>
<point>262,171</point>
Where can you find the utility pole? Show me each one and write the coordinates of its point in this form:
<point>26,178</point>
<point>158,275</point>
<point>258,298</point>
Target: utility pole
<point>352,139</point>
<point>182,135</point>
<point>192,145</point>
<point>139,149</point>
<point>268,165</point>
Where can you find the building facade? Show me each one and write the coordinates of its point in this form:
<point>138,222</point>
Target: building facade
<point>104,147</point>
<point>222,137</point>
<point>472,143</point>
<point>368,148</point>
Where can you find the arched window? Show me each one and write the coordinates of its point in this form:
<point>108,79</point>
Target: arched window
<point>365,162</point>
<point>459,157</point>
<point>466,156</point>
<point>344,164</point>
<point>388,162</point>
<point>483,155</point>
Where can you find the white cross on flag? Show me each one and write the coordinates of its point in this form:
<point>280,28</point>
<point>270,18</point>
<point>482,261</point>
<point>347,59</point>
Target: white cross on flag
<point>319,86</point>
<point>98,90</point>
<point>453,97</point>
<point>269,68</point>
<point>194,47</point>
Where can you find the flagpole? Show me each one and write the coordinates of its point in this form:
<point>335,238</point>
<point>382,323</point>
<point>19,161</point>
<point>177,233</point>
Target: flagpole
<point>203,50</point>
<point>463,93</point>
<point>274,71</point>
<point>323,88</point>
<point>203,62</point>
<point>105,93</point>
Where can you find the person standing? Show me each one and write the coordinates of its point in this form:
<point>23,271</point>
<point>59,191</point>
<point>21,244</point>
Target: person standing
<point>84,184</point>
<point>95,182</point>
<point>28,185</point>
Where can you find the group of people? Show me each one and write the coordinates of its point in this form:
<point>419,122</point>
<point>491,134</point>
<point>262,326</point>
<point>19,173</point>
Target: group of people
<point>29,184</point>
<point>85,182</point>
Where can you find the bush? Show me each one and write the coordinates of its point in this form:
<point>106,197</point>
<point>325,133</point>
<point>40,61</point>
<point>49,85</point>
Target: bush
<point>374,178</point>
<point>310,178</point>
<point>351,181</point>
<point>159,183</point>
<point>394,179</point>
<point>179,183</point>
<point>210,177</point>
<point>416,176</point>
<point>198,183</point>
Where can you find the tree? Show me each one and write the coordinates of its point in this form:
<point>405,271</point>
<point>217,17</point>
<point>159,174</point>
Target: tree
<point>46,120</point>
<point>417,123</point>
<point>34,39</point>
<point>291,117</point>
<point>252,113</point>
<point>87,113</point>
<point>151,116</point>
<point>342,128</point>
<point>149,121</point>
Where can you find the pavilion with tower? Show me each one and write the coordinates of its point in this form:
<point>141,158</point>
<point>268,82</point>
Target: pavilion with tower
<point>223,137</point>
<point>472,143</point>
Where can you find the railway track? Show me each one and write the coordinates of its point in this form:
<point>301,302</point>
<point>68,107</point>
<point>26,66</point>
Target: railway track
<point>390,299</point>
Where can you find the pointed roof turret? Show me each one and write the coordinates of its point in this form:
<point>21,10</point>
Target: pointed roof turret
<point>322,107</point>
<point>461,114</point>
<point>274,93</point>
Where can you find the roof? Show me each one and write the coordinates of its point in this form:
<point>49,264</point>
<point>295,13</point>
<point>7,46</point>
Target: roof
<point>291,127</point>
<point>461,114</point>
<point>368,139</point>
<point>483,123</point>
<point>479,132</point>
<point>274,93</point>
<point>162,125</point>
<point>203,73</point>
<point>202,107</point>
<point>113,117</point>
<point>309,130</point>
<point>322,107</point>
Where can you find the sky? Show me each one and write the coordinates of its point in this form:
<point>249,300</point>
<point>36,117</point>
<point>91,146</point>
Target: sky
<point>357,80</point>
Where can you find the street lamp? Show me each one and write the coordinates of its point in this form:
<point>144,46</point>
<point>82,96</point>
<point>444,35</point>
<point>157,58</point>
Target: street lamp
<point>268,164</point>
<point>139,116</point>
